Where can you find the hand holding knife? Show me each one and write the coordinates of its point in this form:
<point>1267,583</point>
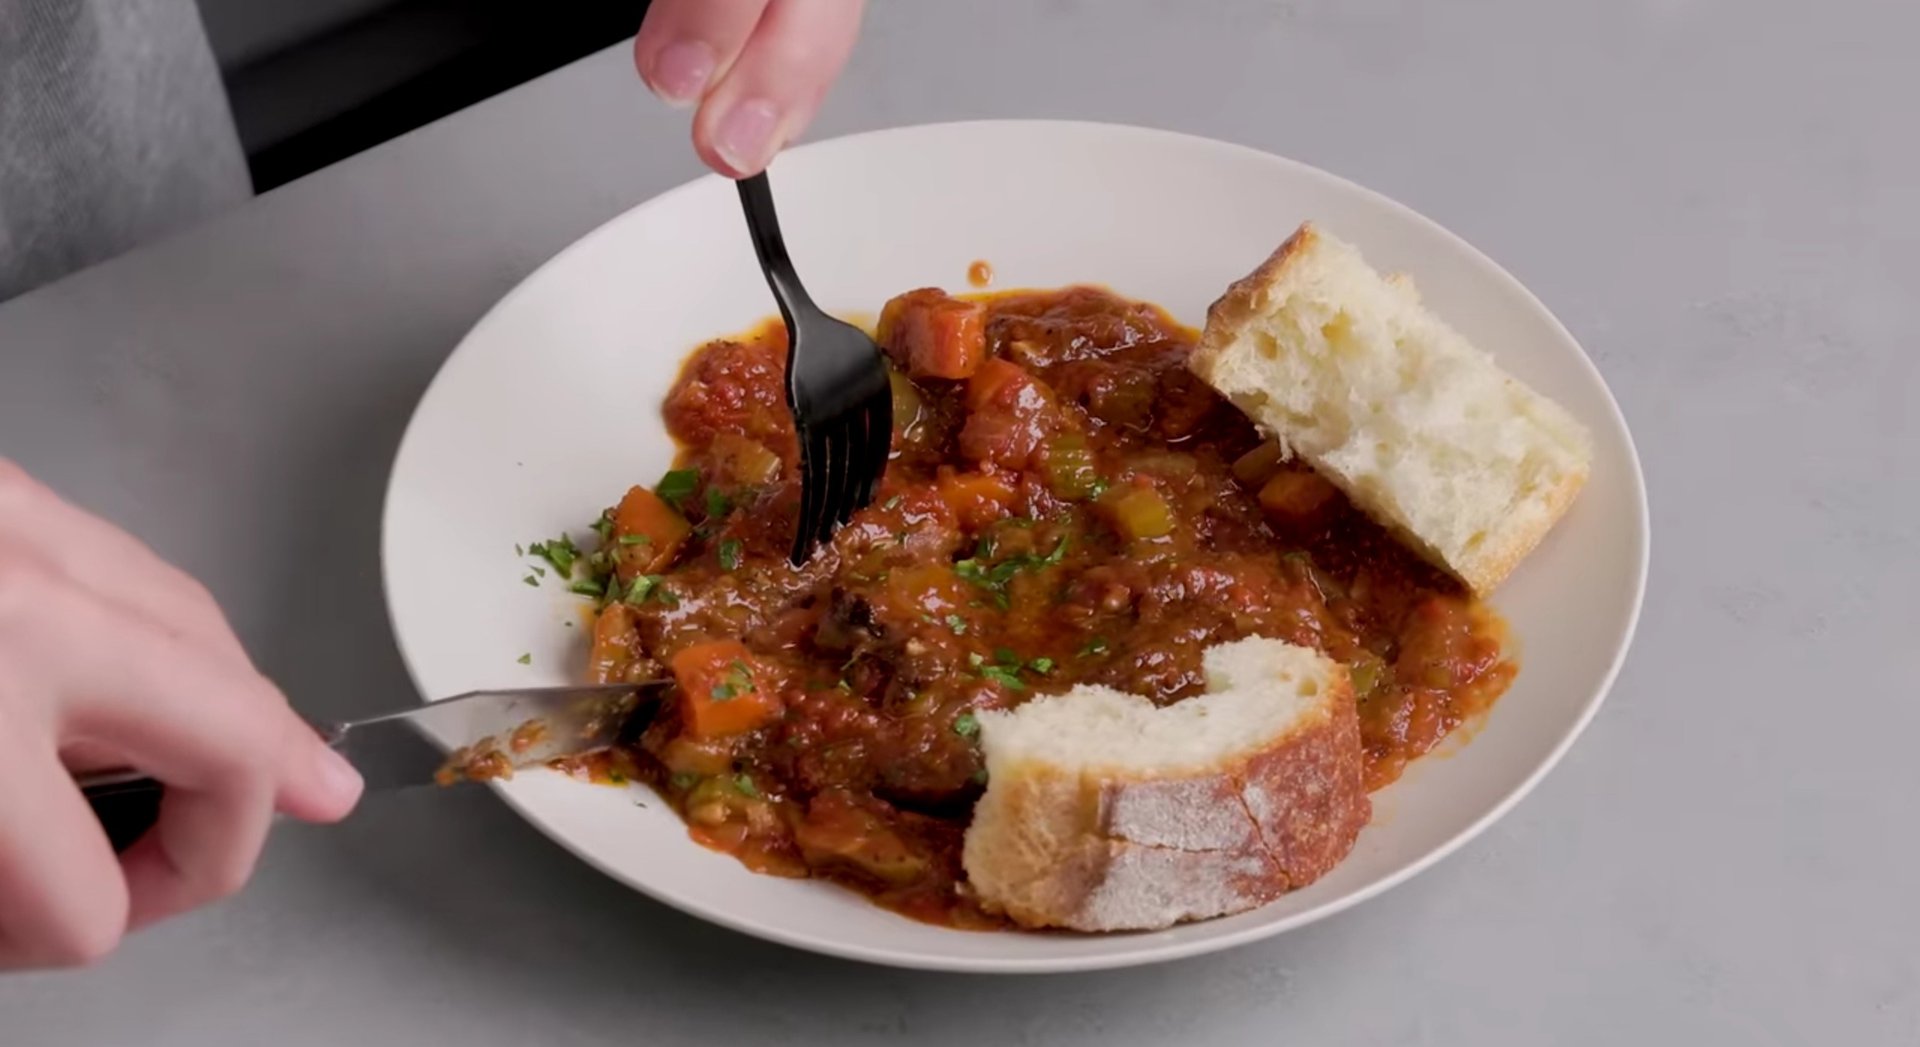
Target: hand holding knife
<point>521,727</point>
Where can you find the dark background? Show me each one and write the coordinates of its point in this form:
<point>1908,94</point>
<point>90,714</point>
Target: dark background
<point>315,81</point>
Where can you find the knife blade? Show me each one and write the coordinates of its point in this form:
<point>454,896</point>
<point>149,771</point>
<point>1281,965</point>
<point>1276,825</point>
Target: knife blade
<point>492,729</point>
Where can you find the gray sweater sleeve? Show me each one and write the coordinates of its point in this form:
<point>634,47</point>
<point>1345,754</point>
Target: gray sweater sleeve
<point>114,129</point>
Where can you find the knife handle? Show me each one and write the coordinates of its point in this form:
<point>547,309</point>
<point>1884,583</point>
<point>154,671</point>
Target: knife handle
<point>127,806</point>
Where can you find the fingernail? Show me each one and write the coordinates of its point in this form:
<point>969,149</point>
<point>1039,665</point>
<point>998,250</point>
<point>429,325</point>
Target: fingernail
<point>338,777</point>
<point>745,136</point>
<point>682,70</point>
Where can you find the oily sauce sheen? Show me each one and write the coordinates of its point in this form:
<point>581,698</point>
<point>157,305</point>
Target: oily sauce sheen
<point>1065,504</point>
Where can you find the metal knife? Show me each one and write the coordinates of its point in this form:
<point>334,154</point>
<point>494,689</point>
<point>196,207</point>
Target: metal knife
<point>525,726</point>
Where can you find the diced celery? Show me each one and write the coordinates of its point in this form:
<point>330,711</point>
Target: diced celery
<point>1070,469</point>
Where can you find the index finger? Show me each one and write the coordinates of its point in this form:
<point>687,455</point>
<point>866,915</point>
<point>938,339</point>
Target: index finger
<point>191,719</point>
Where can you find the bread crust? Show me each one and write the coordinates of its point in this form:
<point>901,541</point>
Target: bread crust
<point>1241,309</point>
<point>1087,853</point>
<point>1484,573</point>
<point>1240,304</point>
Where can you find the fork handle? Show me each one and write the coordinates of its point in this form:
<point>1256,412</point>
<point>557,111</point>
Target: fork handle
<point>763,223</point>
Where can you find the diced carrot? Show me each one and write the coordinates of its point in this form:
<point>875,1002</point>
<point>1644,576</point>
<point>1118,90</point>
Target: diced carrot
<point>932,335</point>
<point>647,532</point>
<point>724,690</point>
<point>1294,495</point>
<point>977,499</point>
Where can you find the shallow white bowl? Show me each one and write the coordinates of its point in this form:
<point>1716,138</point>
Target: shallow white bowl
<point>550,409</point>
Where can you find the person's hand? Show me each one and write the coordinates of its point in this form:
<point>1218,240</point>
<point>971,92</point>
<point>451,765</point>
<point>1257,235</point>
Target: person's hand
<point>110,657</point>
<point>757,68</point>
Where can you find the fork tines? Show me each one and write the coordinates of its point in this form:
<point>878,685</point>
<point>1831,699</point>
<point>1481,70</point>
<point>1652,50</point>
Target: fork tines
<point>837,389</point>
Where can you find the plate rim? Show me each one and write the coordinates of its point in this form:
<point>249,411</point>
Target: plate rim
<point>1615,420</point>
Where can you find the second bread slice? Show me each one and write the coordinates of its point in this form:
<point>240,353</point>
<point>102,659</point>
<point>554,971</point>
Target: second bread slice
<point>1424,432</point>
<point>1106,813</point>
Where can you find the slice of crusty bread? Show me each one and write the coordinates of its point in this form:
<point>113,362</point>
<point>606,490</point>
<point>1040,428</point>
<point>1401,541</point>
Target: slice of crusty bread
<point>1424,432</point>
<point>1104,812</point>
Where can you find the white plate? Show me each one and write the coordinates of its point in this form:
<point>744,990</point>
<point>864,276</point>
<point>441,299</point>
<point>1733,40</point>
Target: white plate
<point>550,409</point>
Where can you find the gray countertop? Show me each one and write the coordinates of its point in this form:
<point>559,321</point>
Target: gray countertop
<point>1719,197</point>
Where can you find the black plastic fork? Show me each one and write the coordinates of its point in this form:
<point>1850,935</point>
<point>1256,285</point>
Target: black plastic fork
<point>837,389</point>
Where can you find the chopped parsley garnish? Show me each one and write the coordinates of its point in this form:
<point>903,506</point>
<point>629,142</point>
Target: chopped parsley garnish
<point>1058,554</point>
<point>539,570</point>
<point>604,526</point>
<point>525,659</point>
<point>730,554</point>
<point>518,550</point>
<point>1005,677</point>
<point>587,587</point>
<point>979,777</point>
<point>1097,645</point>
<point>677,485</point>
<point>649,587</point>
<point>995,577</point>
<point>560,552</point>
<point>531,580</point>
<point>684,781</point>
<point>636,539</point>
<point>966,725</point>
<point>718,505</point>
<point>744,783</point>
<point>957,624</point>
<point>971,569</point>
<point>739,681</point>
<point>1006,667</point>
